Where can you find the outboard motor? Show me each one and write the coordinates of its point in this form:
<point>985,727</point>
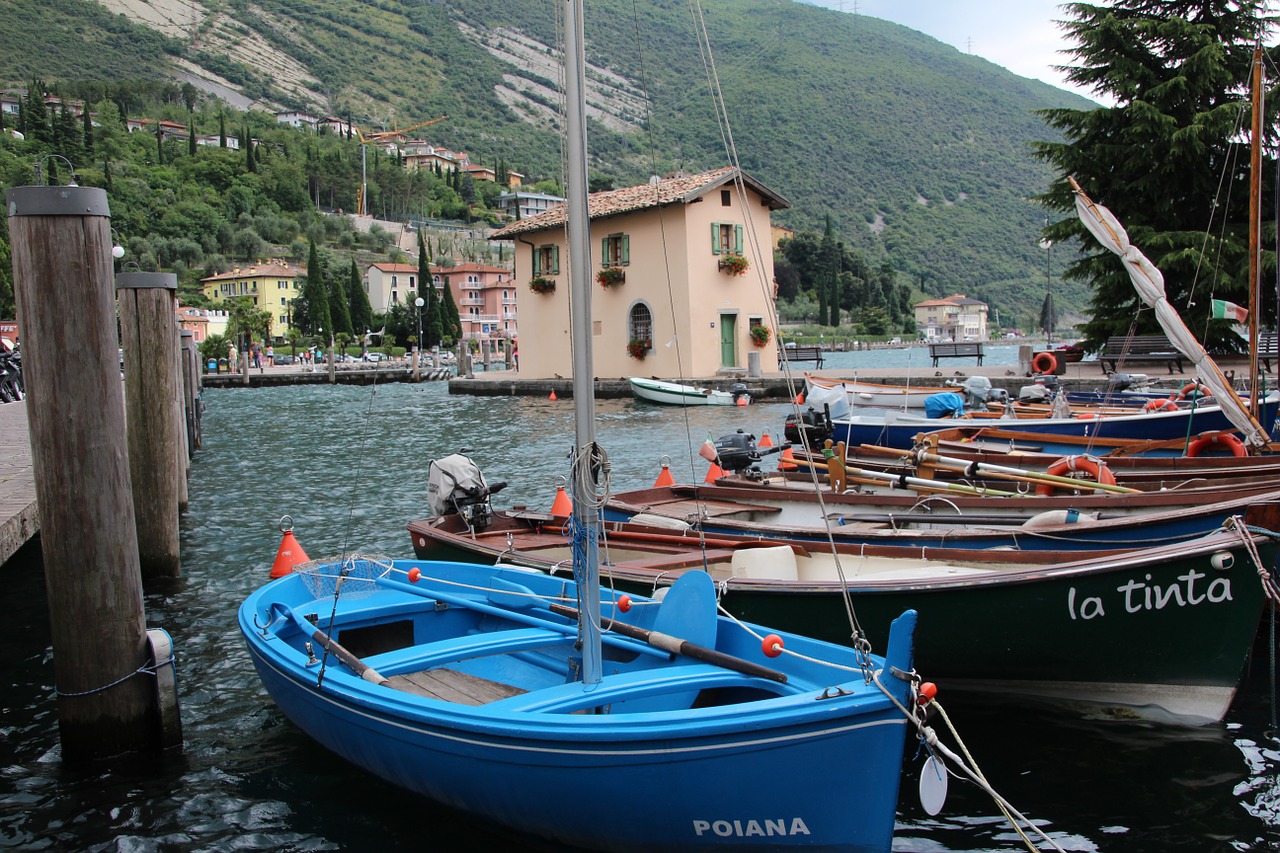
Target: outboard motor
<point>737,453</point>
<point>740,393</point>
<point>455,485</point>
<point>810,429</point>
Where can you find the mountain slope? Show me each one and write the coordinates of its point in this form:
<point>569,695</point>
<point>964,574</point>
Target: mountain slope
<point>917,151</point>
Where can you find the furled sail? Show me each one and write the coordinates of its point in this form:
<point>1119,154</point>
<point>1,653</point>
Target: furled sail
<point>1149,283</point>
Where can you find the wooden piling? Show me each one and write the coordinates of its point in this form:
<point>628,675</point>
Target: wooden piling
<point>61,250</point>
<point>149,338</point>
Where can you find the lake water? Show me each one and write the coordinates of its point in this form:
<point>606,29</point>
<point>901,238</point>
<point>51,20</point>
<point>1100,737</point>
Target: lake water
<point>349,465</point>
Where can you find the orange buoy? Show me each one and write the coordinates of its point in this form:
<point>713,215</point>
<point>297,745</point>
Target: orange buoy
<point>553,396</point>
<point>1222,439</point>
<point>664,476</point>
<point>800,399</point>
<point>290,553</point>
<point>562,506</point>
<point>1044,362</point>
<point>771,646</point>
<point>1085,464</point>
<point>765,440</point>
<point>1164,404</point>
<point>787,462</point>
<point>715,472</point>
<point>742,401</point>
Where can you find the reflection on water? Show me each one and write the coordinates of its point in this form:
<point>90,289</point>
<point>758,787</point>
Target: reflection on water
<point>350,466</point>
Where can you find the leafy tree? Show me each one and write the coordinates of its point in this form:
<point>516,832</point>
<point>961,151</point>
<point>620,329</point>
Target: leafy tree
<point>245,318</point>
<point>1165,159</point>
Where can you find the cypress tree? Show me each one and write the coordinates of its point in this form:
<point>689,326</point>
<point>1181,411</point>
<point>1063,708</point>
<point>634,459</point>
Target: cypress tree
<point>360,309</point>
<point>86,131</point>
<point>315,297</point>
<point>339,308</point>
<point>1163,158</point>
<point>430,309</point>
<point>450,322</point>
<point>191,134</point>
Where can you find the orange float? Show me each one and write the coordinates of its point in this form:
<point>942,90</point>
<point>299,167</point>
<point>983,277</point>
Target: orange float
<point>1044,362</point>
<point>1164,404</point>
<point>1222,439</point>
<point>1090,465</point>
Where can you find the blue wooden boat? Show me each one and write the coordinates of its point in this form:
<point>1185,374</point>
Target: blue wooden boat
<point>460,683</point>
<point>558,710</point>
<point>893,428</point>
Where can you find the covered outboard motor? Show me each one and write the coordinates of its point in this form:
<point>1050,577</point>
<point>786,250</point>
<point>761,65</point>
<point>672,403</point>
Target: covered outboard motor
<point>740,393</point>
<point>455,485</point>
<point>948,404</point>
<point>810,428</point>
<point>737,453</point>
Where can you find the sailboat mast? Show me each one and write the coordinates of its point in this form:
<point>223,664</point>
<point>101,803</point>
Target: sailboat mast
<point>1255,211</point>
<point>586,561</point>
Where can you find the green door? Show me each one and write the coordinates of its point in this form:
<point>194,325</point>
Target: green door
<point>729,340</point>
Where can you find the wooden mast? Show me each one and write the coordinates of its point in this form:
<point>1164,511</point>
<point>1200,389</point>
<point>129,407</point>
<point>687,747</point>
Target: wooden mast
<point>1255,205</point>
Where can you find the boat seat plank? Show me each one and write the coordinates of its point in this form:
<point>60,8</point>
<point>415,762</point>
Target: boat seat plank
<point>414,658</point>
<point>708,508</point>
<point>449,685</point>
<point>669,560</point>
<point>684,677</point>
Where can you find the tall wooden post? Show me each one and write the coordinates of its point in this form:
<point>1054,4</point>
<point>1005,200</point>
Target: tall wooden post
<point>61,247</point>
<point>149,338</point>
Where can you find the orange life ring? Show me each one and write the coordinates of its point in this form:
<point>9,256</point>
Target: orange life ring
<point>1164,404</point>
<point>1226,439</point>
<point>1044,362</point>
<point>1091,465</point>
<point>1200,390</point>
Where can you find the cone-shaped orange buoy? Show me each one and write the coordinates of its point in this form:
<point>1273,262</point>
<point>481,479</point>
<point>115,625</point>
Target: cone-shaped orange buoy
<point>765,440</point>
<point>664,477</point>
<point>553,396</point>
<point>787,462</point>
<point>715,472</point>
<point>562,506</point>
<point>289,554</point>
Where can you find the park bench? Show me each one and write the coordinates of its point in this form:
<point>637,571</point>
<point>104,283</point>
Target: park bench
<point>813,354</point>
<point>954,349</point>
<point>1121,351</point>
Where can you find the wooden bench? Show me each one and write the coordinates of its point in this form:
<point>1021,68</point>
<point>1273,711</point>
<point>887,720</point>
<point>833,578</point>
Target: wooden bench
<point>1120,351</point>
<point>953,349</point>
<point>813,354</point>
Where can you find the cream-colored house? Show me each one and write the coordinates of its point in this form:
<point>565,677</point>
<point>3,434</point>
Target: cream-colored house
<point>952,318</point>
<point>675,243</point>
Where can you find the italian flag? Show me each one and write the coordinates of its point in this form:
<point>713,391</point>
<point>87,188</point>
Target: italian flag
<point>1223,310</point>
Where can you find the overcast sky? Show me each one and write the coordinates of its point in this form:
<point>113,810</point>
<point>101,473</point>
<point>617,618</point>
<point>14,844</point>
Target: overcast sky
<point>1019,35</point>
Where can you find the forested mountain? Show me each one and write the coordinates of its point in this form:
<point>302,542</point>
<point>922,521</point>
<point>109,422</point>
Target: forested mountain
<point>918,152</point>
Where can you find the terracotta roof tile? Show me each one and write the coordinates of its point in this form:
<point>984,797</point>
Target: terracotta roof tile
<point>629,199</point>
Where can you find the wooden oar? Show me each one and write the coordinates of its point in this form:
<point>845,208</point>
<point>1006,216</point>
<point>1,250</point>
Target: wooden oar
<point>1002,472</point>
<point>677,646</point>
<point>352,662</point>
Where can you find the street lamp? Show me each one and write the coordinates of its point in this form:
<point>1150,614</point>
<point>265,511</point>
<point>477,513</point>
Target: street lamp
<point>1047,312</point>
<point>418,303</point>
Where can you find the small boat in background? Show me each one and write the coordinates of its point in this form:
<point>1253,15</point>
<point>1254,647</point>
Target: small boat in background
<point>674,394</point>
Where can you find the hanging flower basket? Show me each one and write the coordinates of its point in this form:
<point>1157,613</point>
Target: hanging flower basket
<point>760,335</point>
<point>733,264</point>
<point>638,348</point>
<point>542,285</point>
<point>610,277</point>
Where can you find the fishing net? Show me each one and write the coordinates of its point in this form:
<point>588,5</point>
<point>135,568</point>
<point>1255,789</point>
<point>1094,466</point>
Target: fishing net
<point>352,576</point>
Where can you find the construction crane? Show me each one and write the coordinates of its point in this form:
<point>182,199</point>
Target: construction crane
<point>377,138</point>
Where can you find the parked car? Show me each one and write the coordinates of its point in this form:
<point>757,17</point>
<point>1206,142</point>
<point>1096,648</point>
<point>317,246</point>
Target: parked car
<point>375,356</point>
<point>284,359</point>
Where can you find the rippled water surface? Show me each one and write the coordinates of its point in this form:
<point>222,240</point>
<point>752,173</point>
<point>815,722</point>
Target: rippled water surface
<point>349,464</point>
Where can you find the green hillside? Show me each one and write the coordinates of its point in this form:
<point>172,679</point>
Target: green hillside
<point>920,153</point>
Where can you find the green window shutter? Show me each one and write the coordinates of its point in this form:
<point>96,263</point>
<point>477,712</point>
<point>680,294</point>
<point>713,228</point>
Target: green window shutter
<point>626,249</point>
<point>604,251</point>
<point>555,260</point>
<point>737,239</point>
<point>537,262</point>
<point>715,238</point>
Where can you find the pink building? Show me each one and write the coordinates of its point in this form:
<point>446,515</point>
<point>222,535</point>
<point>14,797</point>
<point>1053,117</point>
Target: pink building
<point>485,296</point>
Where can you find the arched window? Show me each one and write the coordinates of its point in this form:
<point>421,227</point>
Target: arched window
<point>640,323</point>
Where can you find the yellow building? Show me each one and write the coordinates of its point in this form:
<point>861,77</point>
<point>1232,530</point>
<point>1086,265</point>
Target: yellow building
<point>272,285</point>
<point>677,294</point>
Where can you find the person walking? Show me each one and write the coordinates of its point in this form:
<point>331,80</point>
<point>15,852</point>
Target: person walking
<point>271,356</point>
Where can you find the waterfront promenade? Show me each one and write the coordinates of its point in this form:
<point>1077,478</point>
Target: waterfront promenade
<point>18,517</point>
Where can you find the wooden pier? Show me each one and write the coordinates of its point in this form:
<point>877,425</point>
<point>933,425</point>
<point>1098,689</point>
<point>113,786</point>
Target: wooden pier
<point>19,520</point>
